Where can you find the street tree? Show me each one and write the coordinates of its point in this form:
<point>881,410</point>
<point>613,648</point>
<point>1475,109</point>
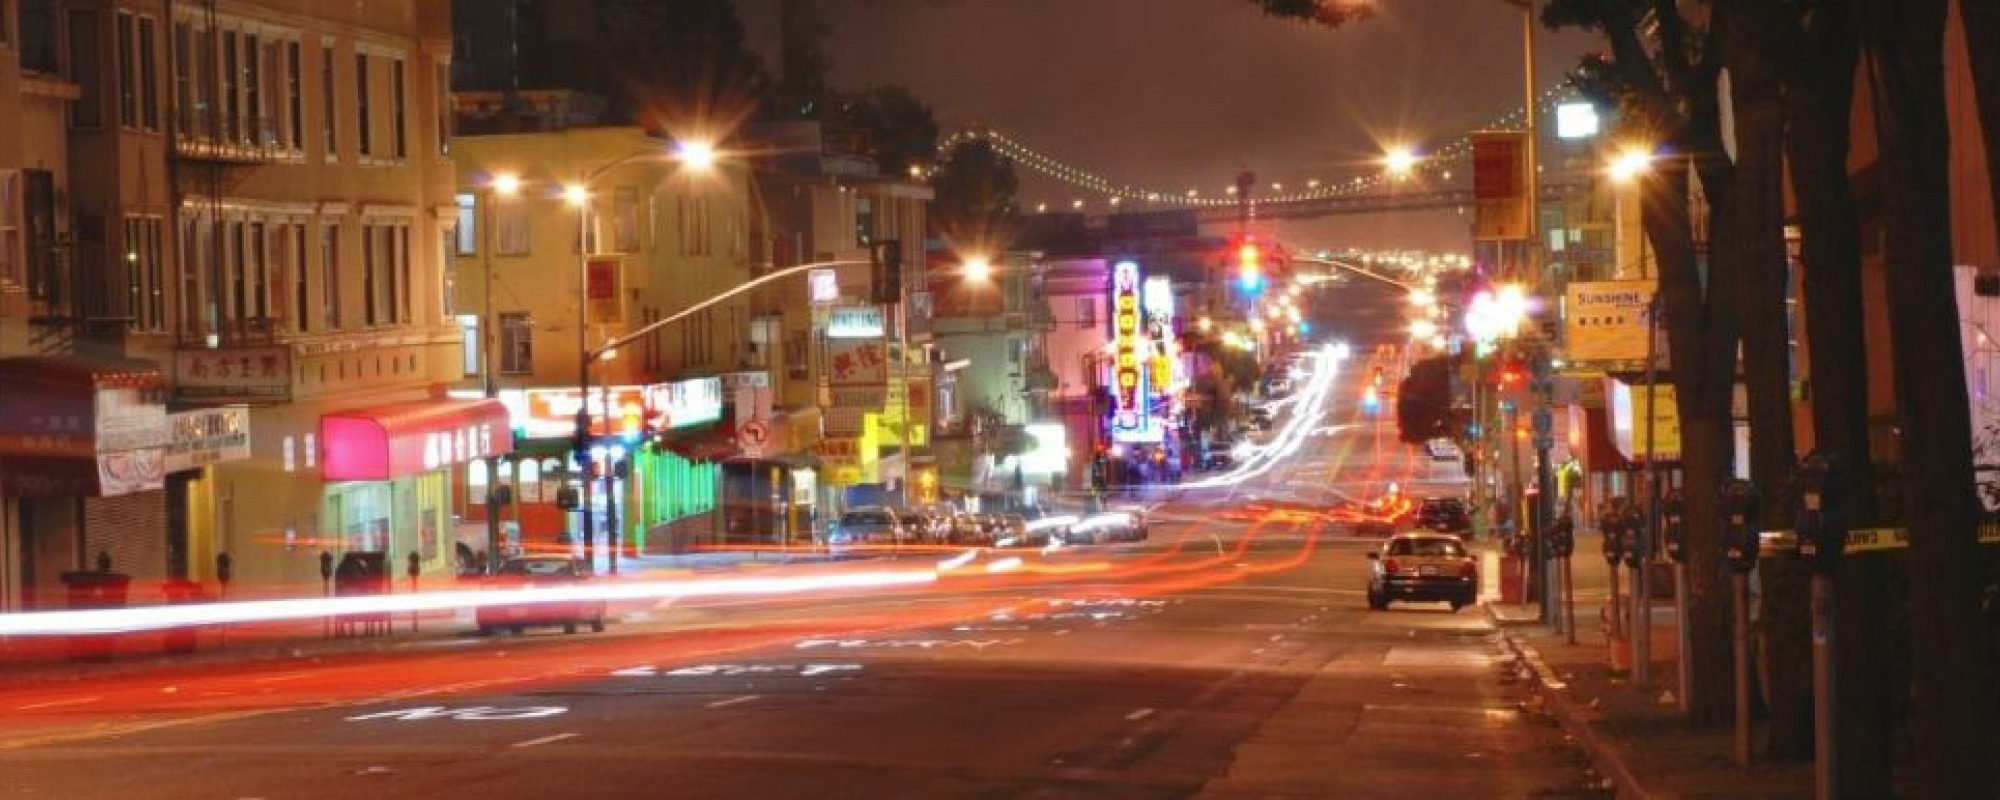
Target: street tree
<point>1904,44</point>
<point>1424,409</point>
<point>976,188</point>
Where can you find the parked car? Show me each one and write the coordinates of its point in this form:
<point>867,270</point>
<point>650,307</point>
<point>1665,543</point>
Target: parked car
<point>1442,450</point>
<point>540,572</point>
<point>1444,515</point>
<point>1422,566</point>
<point>869,525</point>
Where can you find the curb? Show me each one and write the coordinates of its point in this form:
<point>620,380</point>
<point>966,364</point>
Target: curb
<point>1605,757</point>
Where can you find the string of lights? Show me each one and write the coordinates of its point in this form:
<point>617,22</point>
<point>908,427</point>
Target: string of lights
<point>1437,163</point>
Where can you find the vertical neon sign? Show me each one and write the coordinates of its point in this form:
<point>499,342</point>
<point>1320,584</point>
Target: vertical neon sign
<point>1131,420</point>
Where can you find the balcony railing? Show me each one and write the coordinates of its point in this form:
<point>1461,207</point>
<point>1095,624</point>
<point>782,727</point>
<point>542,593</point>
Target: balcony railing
<point>206,135</point>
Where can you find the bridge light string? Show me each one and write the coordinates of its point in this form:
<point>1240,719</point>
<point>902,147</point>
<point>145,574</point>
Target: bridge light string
<point>1438,163</point>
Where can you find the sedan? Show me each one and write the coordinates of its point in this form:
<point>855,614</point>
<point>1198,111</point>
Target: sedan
<point>1422,566</point>
<point>540,572</point>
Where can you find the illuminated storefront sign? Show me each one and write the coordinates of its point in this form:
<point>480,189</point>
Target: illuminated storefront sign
<point>551,413</point>
<point>1130,419</point>
<point>855,322</point>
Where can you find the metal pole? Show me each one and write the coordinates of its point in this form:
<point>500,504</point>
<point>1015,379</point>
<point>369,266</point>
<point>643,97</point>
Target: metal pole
<point>1826,687</point>
<point>1569,599</point>
<point>1642,622</point>
<point>486,196</point>
<point>583,358</point>
<point>1680,618</point>
<point>1739,586</point>
<point>902,376</point>
<point>612,539</point>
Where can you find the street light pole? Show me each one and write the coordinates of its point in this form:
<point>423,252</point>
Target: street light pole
<point>584,356</point>
<point>501,185</point>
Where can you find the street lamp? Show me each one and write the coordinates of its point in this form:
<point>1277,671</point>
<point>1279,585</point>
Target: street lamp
<point>1628,165</point>
<point>978,268</point>
<point>692,154</point>
<point>1400,161</point>
<point>506,185</point>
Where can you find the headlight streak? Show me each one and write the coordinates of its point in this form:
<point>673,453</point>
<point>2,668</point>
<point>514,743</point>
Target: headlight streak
<point>128,620</point>
<point>1310,409</point>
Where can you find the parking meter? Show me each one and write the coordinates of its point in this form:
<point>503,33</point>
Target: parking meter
<point>1612,524</point>
<point>223,565</point>
<point>413,565</point>
<point>1562,537</point>
<point>1673,525</point>
<point>1822,529</point>
<point>1739,529</point>
<point>1635,536</point>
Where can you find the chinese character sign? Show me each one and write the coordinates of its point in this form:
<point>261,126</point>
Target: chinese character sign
<point>1130,417</point>
<point>857,362</point>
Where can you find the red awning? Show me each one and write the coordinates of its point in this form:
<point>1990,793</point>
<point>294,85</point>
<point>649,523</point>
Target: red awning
<point>384,442</point>
<point>76,426</point>
<point>1603,455</point>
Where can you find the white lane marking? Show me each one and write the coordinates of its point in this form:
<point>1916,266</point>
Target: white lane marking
<point>1139,715</point>
<point>734,700</point>
<point>73,701</point>
<point>546,739</point>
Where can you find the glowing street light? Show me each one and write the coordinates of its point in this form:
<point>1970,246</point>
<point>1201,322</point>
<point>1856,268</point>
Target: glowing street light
<point>576,194</point>
<point>1400,161</point>
<point>506,184</point>
<point>1423,329</point>
<point>978,269</point>
<point>1629,165</point>
<point>696,154</point>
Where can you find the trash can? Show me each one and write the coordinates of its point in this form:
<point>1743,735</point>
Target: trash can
<point>183,639</point>
<point>95,590</point>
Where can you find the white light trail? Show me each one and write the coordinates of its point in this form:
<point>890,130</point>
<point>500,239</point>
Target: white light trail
<point>127,620</point>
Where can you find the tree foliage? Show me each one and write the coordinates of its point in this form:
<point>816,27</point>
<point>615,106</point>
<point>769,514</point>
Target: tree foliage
<point>976,188</point>
<point>1330,13</point>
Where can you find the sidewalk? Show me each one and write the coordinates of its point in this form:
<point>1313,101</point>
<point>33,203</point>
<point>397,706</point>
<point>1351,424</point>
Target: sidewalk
<point>31,659</point>
<point>1636,737</point>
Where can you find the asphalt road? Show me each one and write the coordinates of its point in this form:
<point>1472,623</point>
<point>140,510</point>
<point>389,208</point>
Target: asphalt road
<point>1231,656</point>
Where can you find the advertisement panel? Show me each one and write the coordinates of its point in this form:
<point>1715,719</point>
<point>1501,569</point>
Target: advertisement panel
<point>1606,321</point>
<point>207,436</point>
<point>1500,186</point>
<point>1629,410</point>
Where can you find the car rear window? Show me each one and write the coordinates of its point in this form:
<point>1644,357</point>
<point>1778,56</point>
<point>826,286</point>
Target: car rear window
<point>1433,548</point>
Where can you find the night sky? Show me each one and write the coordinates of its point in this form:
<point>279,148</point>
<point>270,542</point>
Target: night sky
<point>1184,94</point>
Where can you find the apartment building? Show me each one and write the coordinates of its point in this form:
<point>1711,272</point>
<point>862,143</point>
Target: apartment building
<point>250,247</point>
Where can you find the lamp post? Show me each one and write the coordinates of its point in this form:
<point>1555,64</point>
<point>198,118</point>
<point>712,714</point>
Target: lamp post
<point>691,154</point>
<point>508,186</point>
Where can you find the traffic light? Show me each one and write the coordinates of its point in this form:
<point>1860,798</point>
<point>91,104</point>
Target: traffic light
<point>885,261</point>
<point>1250,266</point>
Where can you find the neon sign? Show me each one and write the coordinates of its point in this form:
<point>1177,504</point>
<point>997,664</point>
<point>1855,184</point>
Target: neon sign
<point>1131,420</point>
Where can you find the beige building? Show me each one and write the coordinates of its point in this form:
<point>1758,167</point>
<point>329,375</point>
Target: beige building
<point>661,235</point>
<point>258,208</point>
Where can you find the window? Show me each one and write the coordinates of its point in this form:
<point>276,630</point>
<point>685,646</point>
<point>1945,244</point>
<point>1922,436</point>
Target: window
<point>1086,312</point>
<point>10,229</point>
<point>145,296</point>
<point>256,129</point>
<point>466,240</point>
<point>295,100</point>
<point>327,108</point>
<point>85,70</point>
<point>329,273</point>
<point>363,142</point>
<point>128,69</point>
<point>190,269</point>
<point>149,90</point>
<point>510,226</point>
<point>694,226</point>
<point>238,290</point>
<point>468,337</point>
<point>625,219</point>
<point>864,221</point>
<point>232,98</point>
<point>186,100</point>
<point>371,307</point>
<point>399,142</point>
<point>442,90</point>
<point>400,291</point>
<point>517,351</point>
<point>258,268</point>
<point>295,246</point>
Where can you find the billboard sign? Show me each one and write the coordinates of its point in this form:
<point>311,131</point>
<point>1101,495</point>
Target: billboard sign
<point>1500,186</point>
<point>1606,321</point>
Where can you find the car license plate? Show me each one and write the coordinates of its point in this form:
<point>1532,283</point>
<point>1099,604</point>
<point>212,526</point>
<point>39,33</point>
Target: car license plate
<point>1427,570</point>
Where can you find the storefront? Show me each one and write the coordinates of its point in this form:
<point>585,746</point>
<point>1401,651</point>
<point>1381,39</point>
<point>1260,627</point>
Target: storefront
<point>387,472</point>
<point>82,466</point>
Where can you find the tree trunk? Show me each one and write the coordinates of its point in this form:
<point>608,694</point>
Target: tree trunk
<point>1819,98</point>
<point>1906,71</point>
<point>1750,249</point>
<point>1699,324</point>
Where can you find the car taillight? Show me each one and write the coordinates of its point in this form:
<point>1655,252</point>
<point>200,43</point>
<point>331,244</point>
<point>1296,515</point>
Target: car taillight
<point>1390,566</point>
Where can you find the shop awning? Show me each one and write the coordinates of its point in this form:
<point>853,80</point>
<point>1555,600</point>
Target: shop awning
<point>391,441</point>
<point>705,445</point>
<point>81,427</point>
